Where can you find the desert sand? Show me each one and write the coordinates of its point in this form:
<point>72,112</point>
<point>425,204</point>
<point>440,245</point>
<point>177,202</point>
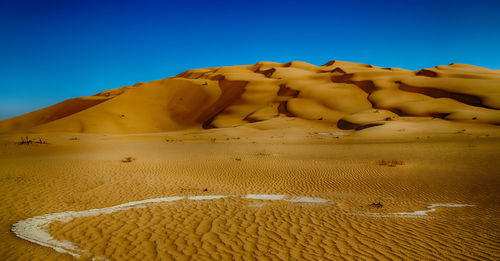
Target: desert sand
<point>268,161</point>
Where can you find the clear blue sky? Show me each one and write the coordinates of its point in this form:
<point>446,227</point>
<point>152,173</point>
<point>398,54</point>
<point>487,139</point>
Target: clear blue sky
<point>55,50</point>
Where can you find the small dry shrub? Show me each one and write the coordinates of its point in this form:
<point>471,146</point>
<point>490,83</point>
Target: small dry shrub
<point>127,159</point>
<point>28,141</point>
<point>390,163</point>
<point>376,205</point>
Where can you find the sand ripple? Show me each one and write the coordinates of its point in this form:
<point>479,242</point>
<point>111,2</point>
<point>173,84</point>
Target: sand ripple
<point>262,226</point>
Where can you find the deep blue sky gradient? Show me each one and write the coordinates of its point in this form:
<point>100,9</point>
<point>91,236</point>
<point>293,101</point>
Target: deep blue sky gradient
<point>54,50</point>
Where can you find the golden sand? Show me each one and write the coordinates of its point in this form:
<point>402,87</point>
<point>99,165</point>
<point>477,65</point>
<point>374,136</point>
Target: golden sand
<point>297,162</point>
<point>78,175</point>
<point>338,94</point>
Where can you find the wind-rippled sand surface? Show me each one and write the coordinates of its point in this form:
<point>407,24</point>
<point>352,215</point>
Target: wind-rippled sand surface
<point>78,175</point>
<point>234,229</point>
<point>409,158</point>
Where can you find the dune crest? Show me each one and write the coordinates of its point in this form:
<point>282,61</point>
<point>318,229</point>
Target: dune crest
<point>343,95</point>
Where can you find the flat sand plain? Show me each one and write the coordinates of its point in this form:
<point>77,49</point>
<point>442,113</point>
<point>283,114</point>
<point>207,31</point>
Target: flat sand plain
<point>371,210</point>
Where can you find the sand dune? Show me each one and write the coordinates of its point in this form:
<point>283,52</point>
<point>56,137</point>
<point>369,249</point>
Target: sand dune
<point>343,95</point>
<point>268,161</point>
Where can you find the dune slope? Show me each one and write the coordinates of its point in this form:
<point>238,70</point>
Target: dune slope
<point>343,95</point>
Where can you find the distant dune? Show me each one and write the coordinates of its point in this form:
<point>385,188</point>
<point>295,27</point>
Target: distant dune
<point>340,95</point>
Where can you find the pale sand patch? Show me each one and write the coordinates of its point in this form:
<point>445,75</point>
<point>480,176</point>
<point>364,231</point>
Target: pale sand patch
<point>265,196</point>
<point>418,213</point>
<point>35,229</point>
<point>206,197</point>
<point>335,133</point>
<point>310,200</point>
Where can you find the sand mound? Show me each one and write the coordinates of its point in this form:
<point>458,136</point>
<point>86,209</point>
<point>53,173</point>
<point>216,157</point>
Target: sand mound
<point>343,95</point>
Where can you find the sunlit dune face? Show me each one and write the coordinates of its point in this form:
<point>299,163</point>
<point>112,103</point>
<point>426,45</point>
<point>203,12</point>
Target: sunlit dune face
<point>338,94</point>
<point>267,161</point>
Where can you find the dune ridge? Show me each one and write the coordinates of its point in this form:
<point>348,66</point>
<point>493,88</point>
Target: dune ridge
<point>269,161</point>
<point>342,95</point>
